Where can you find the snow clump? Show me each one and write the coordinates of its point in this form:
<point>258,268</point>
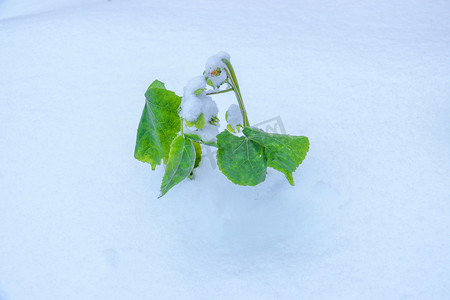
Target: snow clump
<point>215,69</point>
<point>234,117</point>
<point>207,134</point>
<point>197,109</point>
<point>192,100</point>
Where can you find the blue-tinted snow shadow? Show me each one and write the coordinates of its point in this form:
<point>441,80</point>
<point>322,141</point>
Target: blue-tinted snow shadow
<point>2,294</point>
<point>230,228</point>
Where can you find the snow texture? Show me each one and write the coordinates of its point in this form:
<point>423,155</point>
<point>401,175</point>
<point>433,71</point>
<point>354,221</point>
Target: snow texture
<point>368,218</point>
<point>209,108</point>
<point>234,116</point>
<point>207,133</point>
<point>193,85</point>
<point>215,64</point>
<point>191,107</point>
<point>194,104</point>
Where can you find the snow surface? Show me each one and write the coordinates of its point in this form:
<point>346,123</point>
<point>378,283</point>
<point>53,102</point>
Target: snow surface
<point>367,81</point>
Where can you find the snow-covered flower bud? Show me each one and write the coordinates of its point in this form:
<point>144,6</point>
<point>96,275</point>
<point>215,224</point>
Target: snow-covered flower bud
<point>198,110</point>
<point>234,118</point>
<point>214,70</point>
<point>191,103</point>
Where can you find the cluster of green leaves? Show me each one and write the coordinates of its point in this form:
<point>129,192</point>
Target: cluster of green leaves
<point>243,159</point>
<point>158,139</point>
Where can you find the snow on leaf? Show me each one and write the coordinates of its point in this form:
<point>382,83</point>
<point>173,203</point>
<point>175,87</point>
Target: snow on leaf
<point>234,117</point>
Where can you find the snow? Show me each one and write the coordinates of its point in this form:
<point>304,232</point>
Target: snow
<point>193,85</point>
<point>366,81</point>
<point>191,107</point>
<point>215,64</point>
<point>215,61</point>
<point>233,116</point>
<point>209,108</point>
<point>207,133</point>
<point>194,104</point>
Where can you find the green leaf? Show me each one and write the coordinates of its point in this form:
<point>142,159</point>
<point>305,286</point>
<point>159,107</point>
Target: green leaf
<point>283,152</point>
<point>198,154</point>
<point>157,85</point>
<point>200,122</point>
<point>214,120</point>
<point>159,125</point>
<point>198,157</point>
<point>230,128</point>
<point>181,163</point>
<point>189,124</point>
<point>241,159</point>
<point>199,91</point>
<point>196,138</point>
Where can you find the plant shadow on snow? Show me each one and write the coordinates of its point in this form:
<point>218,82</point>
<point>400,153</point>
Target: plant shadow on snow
<point>233,228</point>
<point>260,226</point>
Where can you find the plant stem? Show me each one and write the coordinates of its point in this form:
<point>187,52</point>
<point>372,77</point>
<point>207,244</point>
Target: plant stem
<point>219,92</point>
<point>234,84</point>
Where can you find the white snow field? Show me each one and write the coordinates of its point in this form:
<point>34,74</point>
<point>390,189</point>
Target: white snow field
<point>369,217</point>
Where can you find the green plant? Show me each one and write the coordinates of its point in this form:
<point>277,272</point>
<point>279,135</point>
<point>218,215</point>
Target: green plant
<point>172,128</point>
